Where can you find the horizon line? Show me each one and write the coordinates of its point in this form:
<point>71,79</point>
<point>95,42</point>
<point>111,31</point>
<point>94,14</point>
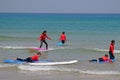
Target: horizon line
<point>52,13</point>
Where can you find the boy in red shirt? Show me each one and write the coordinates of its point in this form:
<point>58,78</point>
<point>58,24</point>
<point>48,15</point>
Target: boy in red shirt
<point>111,50</point>
<point>102,59</point>
<point>63,38</point>
<point>31,59</point>
<point>42,39</point>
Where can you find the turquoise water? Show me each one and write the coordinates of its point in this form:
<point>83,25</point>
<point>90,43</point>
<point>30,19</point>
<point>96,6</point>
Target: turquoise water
<point>79,27</point>
<point>88,36</point>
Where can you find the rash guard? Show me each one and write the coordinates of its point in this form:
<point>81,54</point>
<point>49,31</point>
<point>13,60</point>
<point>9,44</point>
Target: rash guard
<point>105,58</point>
<point>63,37</point>
<point>43,36</point>
<point>111,48</point>
<point>35,57</point>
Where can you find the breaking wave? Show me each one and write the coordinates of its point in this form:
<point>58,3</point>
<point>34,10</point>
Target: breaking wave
<point>60,68</point>
<point>25,47</point>
<point>105,50</point>
<point>7,65</point>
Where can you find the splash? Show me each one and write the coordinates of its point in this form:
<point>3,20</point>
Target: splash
<point>14,47</point>
<point>100,72</point>
<point>105,50</point>
<point>60,68</point>
<point>6,65</point>
<point>27,47</point>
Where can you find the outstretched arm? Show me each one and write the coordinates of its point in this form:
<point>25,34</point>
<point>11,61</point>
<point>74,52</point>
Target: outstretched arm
<point>48,37</point>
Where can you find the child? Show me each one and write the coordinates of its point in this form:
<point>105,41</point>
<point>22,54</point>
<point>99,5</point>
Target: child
<point>42,39</point>
<point>101,59</point>
<point>31,59</point>
<point>63,38</point>
<point>111,50</point>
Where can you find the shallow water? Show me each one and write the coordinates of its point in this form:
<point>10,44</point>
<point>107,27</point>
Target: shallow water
<point>88,37</point>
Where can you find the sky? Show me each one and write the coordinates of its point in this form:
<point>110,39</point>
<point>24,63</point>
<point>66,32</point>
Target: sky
<point>60,6</point>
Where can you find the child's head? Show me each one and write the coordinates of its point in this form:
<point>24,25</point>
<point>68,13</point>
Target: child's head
<point>63,32</point>
<point>44,31</point>
<point>106,55</point>
<point>39,53</point>
<point>112,41</point>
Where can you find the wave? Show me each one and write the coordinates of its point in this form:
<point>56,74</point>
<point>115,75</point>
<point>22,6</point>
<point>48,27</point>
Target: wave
<point>6,65</point>
<point>101,72</point>
<point>14,47</point>
<point>27,47</point>
<point>58,68</point>
<point>105,50</point>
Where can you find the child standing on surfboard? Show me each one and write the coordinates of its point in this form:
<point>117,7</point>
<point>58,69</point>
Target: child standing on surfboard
<point>63,38</point>
<point>42,39</point>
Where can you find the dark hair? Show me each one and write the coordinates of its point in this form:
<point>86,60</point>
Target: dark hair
<point>63,32</point>
<point>39,53</point>
<point>112,41</point>
<point>106,55</point>
<point>44,31</point>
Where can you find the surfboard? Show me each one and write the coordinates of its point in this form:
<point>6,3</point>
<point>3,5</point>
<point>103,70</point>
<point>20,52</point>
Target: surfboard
<point>41,62</point>
<point>13,61</point>
<point>53,63</point>
<point>22,62</point>
<point>60,44</point>
<point>96,61</point>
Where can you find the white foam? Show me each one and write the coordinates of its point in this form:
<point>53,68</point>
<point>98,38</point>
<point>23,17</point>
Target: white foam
<point>117,51</point>
<point>22,47</point>
<point>60,68</point>
<point>6,65</point>
<point>14,47</point>
<point>100,72</point>
<point>36,68</point>
<point>27,47</point>
<point>105,50</point>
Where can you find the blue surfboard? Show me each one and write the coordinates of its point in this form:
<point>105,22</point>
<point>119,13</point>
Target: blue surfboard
<point>13,61</point>
<point>59,44</point>
<point>22,62</point>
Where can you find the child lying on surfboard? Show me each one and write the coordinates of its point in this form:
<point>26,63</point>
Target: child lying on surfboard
<point>104,58</point>
<point>31,59</point>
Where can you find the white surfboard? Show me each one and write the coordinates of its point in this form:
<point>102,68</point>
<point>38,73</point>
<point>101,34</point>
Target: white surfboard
<point>53,63</point>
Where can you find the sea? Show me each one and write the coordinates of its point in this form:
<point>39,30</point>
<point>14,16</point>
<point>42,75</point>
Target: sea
<point>88,37</point>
